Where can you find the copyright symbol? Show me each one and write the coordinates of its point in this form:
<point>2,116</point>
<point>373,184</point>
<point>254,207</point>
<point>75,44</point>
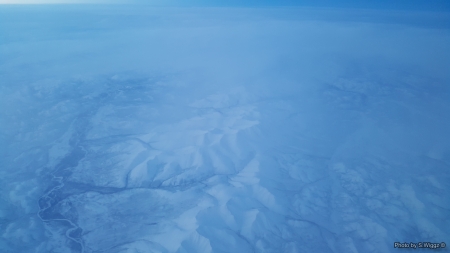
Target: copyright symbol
<point>443,245</point>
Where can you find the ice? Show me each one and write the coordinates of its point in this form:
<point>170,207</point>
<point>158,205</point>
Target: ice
<point>139,129</point>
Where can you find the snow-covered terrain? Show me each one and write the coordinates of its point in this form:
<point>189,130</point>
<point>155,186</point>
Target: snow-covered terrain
<point>133,129</point>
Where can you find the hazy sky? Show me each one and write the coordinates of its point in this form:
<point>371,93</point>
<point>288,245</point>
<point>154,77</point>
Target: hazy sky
<point>442,5</point>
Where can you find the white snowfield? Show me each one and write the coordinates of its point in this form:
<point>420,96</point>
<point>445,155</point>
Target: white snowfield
<point>222,130</point>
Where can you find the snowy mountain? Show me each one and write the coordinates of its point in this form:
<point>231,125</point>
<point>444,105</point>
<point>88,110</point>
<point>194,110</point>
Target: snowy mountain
<point>133,129</point>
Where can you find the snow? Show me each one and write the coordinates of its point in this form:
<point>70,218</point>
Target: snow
<point>133,129</point>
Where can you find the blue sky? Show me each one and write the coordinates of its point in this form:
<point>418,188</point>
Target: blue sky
<point>435,5</point>
<point>398,4</point>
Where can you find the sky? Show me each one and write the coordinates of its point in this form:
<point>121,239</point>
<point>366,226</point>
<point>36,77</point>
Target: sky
<point>437,5</point>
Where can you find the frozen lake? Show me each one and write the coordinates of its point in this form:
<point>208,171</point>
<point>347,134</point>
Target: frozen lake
<point>138,129</point>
